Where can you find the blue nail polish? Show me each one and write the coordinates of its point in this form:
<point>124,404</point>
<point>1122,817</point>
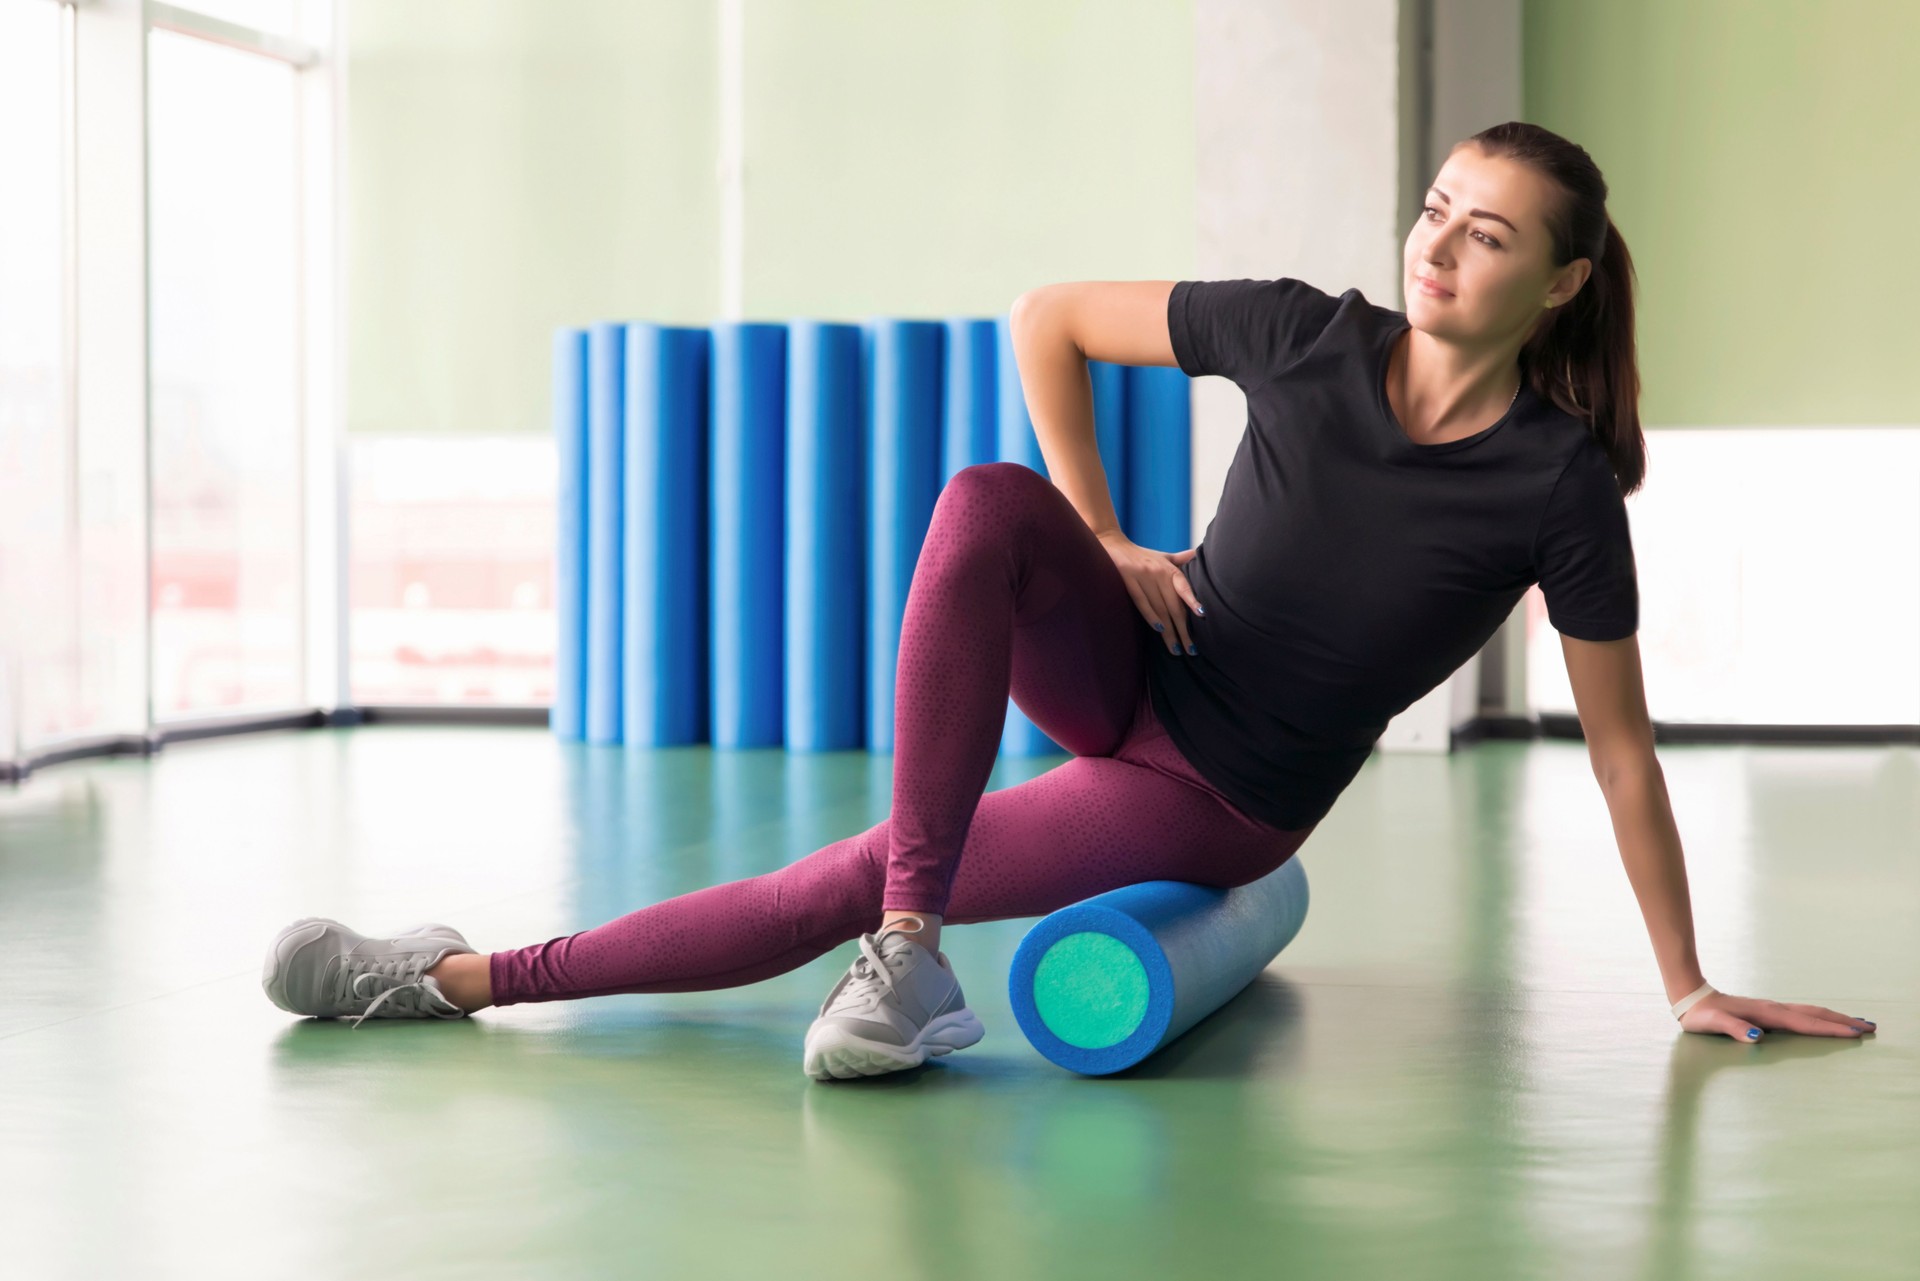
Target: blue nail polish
<point>1192,650</point>
<point>1202,609</point>
<point>1158,628</point>
<point>1753,1034</point>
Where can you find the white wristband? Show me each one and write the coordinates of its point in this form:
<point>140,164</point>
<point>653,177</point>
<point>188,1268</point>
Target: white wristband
<point>1692,999</point>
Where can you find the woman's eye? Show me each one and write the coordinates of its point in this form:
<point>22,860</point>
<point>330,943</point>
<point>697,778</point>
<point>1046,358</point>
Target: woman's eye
<point>1483,235</point>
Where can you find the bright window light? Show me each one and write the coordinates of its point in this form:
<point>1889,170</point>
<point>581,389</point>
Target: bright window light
<point>226,457</point>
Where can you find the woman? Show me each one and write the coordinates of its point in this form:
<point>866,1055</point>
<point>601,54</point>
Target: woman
<point>1403,479</point>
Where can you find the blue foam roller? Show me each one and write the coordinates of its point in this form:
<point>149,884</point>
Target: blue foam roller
<point>1017,443</point>
<point>1109,384</point>
<point>1014,438</point>
<point>1100,985</point>
<point>1159,457</point>
<point>825,571</point>
<point>568,717</point>
<point>904,375</point>
<point>606,408</point>
<point>747,531</point>
<point>663,627</point>
<point>967,431</point>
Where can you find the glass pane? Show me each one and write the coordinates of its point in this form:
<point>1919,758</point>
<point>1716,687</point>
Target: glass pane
<point>226,463</point>
<point>39,557</point>
<point>452,569</point>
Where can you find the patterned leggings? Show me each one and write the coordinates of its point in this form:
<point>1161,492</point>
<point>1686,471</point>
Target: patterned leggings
<point>1012,592</point>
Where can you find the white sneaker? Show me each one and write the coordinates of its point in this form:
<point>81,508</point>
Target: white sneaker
<point>319,967</point>
<point>896,1005</point>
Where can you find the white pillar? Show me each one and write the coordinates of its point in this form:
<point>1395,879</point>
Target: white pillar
<point>1318,125</point>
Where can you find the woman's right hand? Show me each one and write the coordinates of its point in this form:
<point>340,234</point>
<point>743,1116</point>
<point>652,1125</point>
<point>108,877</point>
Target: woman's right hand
<point>1158,585</point>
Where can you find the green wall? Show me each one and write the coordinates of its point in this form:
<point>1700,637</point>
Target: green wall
<point>1760,160</point>
<point>923,159</point>
<point>515,166</point>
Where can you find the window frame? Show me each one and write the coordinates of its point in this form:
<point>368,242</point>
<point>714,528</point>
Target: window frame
<point>107,348</point>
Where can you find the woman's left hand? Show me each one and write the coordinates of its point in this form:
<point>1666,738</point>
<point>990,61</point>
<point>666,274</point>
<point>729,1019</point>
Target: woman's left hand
<point>1741,1017</point>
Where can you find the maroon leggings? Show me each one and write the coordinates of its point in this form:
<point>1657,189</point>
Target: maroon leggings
<point>1012,592</point>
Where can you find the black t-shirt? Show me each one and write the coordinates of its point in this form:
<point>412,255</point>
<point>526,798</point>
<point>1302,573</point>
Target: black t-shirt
<point>1348,570</point>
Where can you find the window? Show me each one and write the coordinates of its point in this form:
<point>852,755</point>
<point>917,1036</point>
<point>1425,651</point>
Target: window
<point>452,578</point>
<point>227,514</point>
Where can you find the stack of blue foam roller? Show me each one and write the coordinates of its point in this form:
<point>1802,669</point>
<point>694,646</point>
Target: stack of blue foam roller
<point>742,506</point>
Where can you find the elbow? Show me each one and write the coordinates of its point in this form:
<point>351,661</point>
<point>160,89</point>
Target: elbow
<point>1020,315</point>
<point>1032,315</point>
<point>1027,311</point>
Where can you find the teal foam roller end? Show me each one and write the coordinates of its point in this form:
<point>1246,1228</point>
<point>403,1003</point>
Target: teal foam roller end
<point>1102,984</point>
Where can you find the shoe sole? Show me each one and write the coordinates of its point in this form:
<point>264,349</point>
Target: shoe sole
<point>835,1053</point>
<point>289,940</point>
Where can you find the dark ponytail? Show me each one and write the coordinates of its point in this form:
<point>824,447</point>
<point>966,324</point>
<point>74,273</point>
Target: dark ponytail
<point>1581,356</point>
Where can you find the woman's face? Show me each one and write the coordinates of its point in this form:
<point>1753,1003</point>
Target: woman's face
<point>1496,263</point>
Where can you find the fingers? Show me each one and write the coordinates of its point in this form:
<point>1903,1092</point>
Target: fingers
<point>1171,599</point>
<point>1834,1016</point>
<point>1807,1020</point>
<point>1164,600</point>
<point>1184,586</point>
<point>1715,1019</point>
<point>1147,609</point>
<point>1155,612</point>
<point>1814,1025</point>
<point>1180,592</point>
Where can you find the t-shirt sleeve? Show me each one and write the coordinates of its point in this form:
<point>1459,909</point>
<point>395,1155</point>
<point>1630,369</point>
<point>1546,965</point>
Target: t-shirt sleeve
<point>1584,553</point>
<point>1246,330</point>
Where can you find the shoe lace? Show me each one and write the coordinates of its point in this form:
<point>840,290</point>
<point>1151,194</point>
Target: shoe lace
<point>408,988</point>
<point>871,974</point>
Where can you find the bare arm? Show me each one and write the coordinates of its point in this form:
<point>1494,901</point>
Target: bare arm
<point>1613,719</point>
<point>1057,329</point>
<point>1608,693</point>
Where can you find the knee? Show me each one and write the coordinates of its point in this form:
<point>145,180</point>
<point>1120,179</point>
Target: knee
<point>993,485</point>
<point>837,888</point>
<point>988,502</point>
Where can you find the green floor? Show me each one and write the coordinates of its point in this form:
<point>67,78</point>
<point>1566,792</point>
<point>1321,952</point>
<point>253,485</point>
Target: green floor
<point>1463,1066</point>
